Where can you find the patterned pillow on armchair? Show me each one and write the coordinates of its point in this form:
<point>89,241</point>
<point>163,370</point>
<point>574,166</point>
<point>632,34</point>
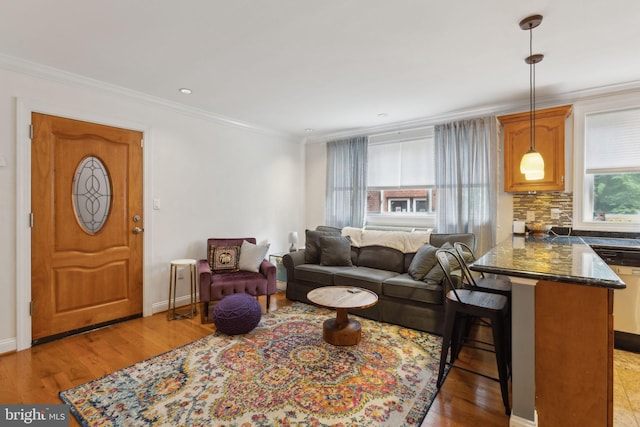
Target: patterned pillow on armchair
<point>224,259</point>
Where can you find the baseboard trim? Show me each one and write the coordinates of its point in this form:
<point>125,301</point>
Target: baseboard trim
<point>626,341</point>
<point>516,421</point>
<point>161,306</point>
<point>8,345</point>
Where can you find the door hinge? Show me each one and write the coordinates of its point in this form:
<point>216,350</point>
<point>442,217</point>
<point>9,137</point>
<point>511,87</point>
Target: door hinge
<point>30,219</point>
<point>30,131</point>
<point>142,143</point>
<point>31,308</point>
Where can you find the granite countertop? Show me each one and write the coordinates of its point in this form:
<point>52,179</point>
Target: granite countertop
<point>608,242</point>
<point>561,259</point>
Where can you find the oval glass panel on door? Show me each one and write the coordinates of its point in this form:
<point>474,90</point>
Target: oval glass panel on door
<point>91,194</point>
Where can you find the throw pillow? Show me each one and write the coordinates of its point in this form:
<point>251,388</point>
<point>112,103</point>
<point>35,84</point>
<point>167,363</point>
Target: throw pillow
<point>312,245</point>
<point>335,250</point>
<point>436,274</point>
<point>251,256</point>
<point>224,259</point>
<point>422,262</point>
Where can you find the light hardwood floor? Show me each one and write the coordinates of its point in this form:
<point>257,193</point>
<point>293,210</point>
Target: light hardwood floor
<point>37,375</point>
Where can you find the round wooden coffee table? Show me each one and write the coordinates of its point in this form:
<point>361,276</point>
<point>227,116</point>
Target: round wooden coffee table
<point>342,330</point>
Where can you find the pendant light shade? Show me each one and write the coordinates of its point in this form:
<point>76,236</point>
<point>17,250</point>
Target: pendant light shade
<point>532,163</point>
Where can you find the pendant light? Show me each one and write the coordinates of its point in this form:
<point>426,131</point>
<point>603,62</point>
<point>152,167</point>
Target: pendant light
<point>532,164</point>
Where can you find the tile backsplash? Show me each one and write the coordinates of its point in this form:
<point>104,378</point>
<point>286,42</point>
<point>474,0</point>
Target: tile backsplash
<point>541,204</point>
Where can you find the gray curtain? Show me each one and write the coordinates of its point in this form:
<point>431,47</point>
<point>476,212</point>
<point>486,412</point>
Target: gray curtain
<point>347,182</point>
<point>466,179</point>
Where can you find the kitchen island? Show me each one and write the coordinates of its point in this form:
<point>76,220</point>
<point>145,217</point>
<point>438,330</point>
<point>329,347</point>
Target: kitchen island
<point>562,330</point>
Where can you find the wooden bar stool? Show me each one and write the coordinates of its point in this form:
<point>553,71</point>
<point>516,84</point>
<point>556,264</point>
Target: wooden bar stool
<point>461,304</point>
<point>173,278</point>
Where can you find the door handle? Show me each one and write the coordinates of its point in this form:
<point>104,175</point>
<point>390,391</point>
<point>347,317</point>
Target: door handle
<point>138,230</point>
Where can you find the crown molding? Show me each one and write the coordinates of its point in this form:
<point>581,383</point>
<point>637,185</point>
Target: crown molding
<point>19,65</point>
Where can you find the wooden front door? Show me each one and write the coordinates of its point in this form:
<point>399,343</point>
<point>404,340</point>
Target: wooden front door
<point>86,241</point>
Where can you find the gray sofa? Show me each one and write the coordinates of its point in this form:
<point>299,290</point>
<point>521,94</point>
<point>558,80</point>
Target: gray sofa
<point>383,268</point>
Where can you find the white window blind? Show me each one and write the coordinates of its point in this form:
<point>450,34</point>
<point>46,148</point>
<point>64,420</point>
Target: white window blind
<point>612,142</point>
<point>401,164</point>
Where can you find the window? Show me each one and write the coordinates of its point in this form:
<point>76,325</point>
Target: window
<point>607,194</point>
<point>401,179</point>
<point>421,205</point>
<point>398,205</point>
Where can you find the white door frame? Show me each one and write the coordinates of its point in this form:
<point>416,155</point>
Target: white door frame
<point>24,108</point>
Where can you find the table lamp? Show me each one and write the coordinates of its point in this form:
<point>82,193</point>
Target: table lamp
<point>293,239</point>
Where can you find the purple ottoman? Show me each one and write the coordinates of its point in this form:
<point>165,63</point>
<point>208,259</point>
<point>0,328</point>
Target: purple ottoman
<point>237,314</point>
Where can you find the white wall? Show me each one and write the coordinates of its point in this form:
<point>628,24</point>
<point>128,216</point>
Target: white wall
<point>316,184</point>
<point>212,178</point>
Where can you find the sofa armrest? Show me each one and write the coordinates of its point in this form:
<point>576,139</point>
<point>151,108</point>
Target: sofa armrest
<point>204,276</point>
<point>290,261</point>
<point>268,270</point>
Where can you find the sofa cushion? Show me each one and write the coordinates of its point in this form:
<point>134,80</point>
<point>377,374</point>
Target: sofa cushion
<point>363,277</point>
<point>354,255</point>
<point>251,256</point>
<point>316,273</point>
<point>382,258</point>
<point>403,286</point>
<point>389,239</point>
<point>335,250</point>
<point>246,282</point>
<point>436,274</point>
<point>312,245</point>
<point>422,262</point>
<point>224,259</point>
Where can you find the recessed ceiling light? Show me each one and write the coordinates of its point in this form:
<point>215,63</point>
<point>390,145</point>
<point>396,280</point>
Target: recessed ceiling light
<point>308,130</point>
<point>382,115</point>
<point>185,90</point>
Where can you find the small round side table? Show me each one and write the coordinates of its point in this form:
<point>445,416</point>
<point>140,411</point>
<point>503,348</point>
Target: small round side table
<point>173,276</point>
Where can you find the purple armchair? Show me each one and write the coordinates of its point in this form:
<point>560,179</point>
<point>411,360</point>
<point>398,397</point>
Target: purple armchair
<point>215,286</point>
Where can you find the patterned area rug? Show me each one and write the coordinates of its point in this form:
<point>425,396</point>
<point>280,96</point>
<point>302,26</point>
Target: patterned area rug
<point>280,374</point>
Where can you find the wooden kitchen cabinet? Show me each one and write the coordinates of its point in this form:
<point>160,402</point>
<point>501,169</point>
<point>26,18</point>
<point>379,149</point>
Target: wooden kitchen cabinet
<point>550,138</point>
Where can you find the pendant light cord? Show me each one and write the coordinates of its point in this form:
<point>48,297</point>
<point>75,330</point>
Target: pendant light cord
<point>532,93</point>
<point>532,163</point>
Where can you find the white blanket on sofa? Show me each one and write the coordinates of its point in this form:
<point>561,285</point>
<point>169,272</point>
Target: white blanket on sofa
<point>406,242</point>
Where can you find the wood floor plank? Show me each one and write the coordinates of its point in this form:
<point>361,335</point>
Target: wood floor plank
<point>466,399</point>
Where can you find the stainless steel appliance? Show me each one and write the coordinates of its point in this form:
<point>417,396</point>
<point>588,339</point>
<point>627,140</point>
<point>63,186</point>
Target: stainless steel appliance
<point>625,262</point>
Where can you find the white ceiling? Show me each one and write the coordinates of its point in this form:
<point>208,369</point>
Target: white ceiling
<point>331,65</point>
